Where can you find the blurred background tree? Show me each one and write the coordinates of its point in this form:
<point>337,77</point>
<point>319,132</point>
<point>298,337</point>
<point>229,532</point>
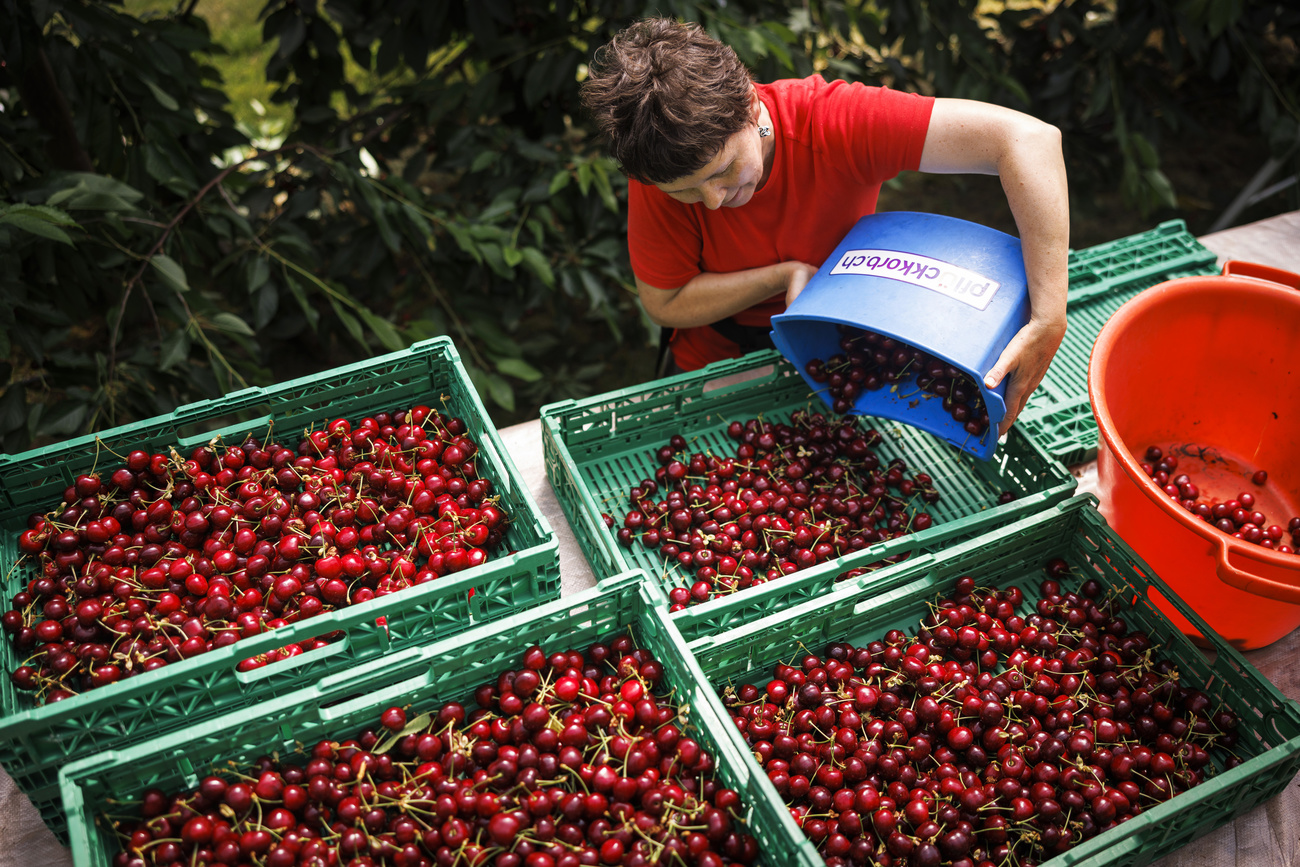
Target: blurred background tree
<point>202,196</point>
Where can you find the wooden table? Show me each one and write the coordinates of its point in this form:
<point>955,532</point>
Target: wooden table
<point>1265,837</point>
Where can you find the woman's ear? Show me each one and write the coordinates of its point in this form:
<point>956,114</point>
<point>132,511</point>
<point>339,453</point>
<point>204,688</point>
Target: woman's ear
<point>755,104</point>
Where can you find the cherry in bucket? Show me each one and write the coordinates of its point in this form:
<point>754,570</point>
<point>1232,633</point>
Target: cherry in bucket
<point>868,361</point>
<point>1238,516</point>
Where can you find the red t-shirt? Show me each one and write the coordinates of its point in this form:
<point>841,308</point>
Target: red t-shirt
<point>836,143</point>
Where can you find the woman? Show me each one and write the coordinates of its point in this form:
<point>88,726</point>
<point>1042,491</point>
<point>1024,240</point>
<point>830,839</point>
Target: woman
<point>738,190</point>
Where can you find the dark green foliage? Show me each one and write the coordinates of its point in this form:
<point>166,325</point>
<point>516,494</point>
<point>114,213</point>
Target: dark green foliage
<point>152,255</point>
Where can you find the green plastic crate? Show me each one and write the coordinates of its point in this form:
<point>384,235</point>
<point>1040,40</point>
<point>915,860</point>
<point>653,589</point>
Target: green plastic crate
<point>598,448</point>
<point>1058,415</point>
<point>1269,726</point>
<point>36,741</point>
<point>341,704</point>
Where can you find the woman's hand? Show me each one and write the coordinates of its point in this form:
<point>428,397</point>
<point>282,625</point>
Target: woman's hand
<point>800,274</point>
<point>1025,360</point>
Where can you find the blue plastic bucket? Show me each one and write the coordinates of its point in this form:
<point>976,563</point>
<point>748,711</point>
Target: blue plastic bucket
<point>949,287</point>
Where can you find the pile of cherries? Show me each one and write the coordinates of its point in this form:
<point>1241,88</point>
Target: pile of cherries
<point>568,760</point>
<point>869,361</point>
<point>790,497</point>
<point>987,738</point>
<point>168,557</point>
<point>1237,517</point>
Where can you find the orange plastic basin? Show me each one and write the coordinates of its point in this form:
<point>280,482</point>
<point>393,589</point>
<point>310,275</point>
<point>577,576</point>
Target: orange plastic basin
<point>1207,368</point>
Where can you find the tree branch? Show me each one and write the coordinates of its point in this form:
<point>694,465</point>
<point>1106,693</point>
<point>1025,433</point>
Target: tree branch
<point>172,224</point>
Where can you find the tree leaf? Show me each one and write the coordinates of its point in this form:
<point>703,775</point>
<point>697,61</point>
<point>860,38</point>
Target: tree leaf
<point>171,272</point>
<point>13,408</point>
<point>231,324</point>
<point>465,240</point>
<point>1146,152</point>
<point>1161,186</point>
<point>608,249</point>
<point>92,192</point>
<point>266,302</point>
<point>175,349</point>
<point>595,290</point>
<point>519,369</point>
<point>559,181</point>
<point>501,392</point>
<point>384,330</point>
<point>349,321</point>
<point>291,36</point>
<point>259,270</point>
<point>64,419</point>
<point>535,261</point>
<point>30,221</point>
<point>165,99</point>
<point>392,240</point>
<point>603,188</point>
<point>497,262</point>
<point>502,203</point>
<point>309,310</point>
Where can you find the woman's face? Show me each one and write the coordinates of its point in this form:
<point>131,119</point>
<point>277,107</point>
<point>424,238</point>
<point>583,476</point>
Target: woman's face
<point>730,179</point>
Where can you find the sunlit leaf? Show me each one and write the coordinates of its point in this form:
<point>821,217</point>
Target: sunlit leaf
<point>231,324</point>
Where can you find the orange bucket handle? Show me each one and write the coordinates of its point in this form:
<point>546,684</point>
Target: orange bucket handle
<point>1256,584</point>
<point>1239,268</point>
<point>1229,574</point>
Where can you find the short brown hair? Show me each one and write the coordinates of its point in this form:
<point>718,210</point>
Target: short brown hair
<point>666,96</point>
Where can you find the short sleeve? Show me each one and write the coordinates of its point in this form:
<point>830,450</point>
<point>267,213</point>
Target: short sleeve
<point>663,238</point>
<point>875,132</point>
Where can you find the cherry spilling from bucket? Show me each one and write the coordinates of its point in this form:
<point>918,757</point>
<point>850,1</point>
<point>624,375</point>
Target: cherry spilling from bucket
<point>869,361</point>
<point>569,759</point>
<point>789,497</point>
<point>1239,517</point>
<point>986,737</point>
<point>168,556</point>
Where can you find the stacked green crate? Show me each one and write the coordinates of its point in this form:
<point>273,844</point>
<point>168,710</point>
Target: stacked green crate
<point>1269,723</point>
<point>36,741</point>
<point>1059,416</point>
<point>422,678</point>
<point>597,449</point>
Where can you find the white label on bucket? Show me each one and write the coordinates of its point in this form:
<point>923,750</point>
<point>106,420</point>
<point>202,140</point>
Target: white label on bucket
<point>945,278</point>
